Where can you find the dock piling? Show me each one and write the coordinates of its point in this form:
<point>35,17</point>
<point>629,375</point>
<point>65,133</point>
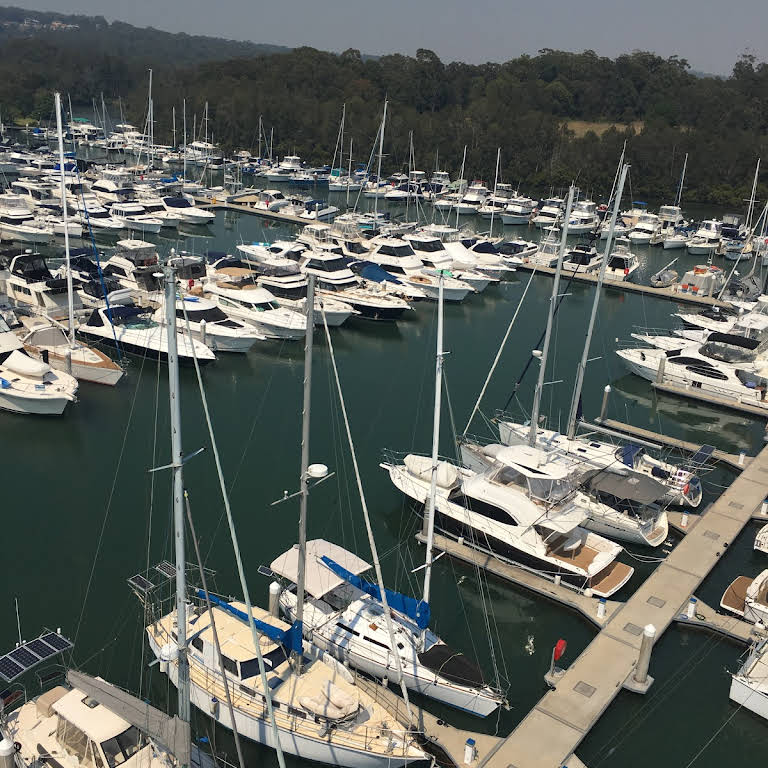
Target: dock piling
<point>604,406</point>
<point>640,681</point>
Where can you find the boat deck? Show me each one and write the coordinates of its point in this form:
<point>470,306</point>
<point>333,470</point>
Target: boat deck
<point>610,578</point>
<point>553,729</point>
<point>582,556</point>
<point>735,596</point>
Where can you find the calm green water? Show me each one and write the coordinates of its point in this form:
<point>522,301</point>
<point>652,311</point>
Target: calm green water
<point>81,515</point>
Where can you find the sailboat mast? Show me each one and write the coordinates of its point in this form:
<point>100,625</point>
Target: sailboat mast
<point>461,178</point>
<point>495,187</point>
<point>573,414</point>
<point>349,173</point>
<point>151,127</point>
<point>173,123</point>
<point>184,160</point>
<point>751,207</point>
<point>429,517</point>
<point>63,189</point>
<point>304,477</point>
<point>378,170</point>
<point>550,318</point>
<point>169,276</point>
<point>682,180</point>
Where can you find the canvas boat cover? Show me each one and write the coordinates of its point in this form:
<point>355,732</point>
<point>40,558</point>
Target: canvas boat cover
<point>635,487</point>
<point>452,665</point>
<point>319,580</point>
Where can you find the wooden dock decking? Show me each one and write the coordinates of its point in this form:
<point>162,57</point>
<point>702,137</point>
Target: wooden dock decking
<point>671,294</point>
<point>554,728</point>
<point>223,205</point>
<point>731,459</point>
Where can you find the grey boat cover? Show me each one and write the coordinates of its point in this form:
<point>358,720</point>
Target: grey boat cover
<point>634,486</point>
<point>170,732</point>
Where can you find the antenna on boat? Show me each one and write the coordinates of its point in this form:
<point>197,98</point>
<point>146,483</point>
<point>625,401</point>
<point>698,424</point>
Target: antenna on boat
<point>573,414</point>
<point>177,460</point>
<point>542,355</point>
<point>63,190</point>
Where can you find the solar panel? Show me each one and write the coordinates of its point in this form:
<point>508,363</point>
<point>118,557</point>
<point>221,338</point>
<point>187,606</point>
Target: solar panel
<point>23,657</point>
<point>40,649</point>
<point>166,568</point>
<point>140,583</point>
<point>56,641</point>
<point>9,669</point>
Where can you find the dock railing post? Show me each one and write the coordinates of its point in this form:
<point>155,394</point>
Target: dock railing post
<point>640,681</point>
<point>660,371</point>
<point>604,406</point>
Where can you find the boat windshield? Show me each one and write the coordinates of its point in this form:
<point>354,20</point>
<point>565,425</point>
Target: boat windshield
<point>177,202</point>
<point>726,353</point>
<point>210,315</point>
<point>332,265</point>
<point>123,747</point>
<point>136,323</point>
<point>549,489</point>
<point>399,251</point>
<point>427,246</point>
<point>354,247</point>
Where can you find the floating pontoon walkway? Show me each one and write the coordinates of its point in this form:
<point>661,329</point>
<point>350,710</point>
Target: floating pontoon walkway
<point>549,734</point>
<point>672,293</point>
<point>223,205</point>
<point>694,393</point>
<point>731,459</point>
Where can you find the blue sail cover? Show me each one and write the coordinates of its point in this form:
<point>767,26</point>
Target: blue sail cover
<point>417,610</point>
<point>628,453</point>
<point>290,639</point>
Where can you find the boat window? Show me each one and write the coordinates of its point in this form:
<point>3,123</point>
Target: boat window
<point>726,353</point>
<point>212,315</point>
<point>355,247</point>
<point>272,661</point>
<point>332,265</point>
<point>71,738</point>
<point>427,246</point>
<point>229,665</point>
<point>509,476</point>
<point>398,251</point>
<point>481,508</point>
<point>689,361</point>
<point>123,746</point>
<point>197,642</point>
<point>710,373</point>
<point>547,489</point>
<point>177,202</point>
<point>483,246</point>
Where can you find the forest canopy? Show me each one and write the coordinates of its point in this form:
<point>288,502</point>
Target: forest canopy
<point>557,116</point>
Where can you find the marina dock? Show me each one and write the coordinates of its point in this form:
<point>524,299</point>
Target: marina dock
<point>711,399</point>
<point>734,461</point>
<point>672,293</point>
<point>552,731</point>
<point>223,205</point>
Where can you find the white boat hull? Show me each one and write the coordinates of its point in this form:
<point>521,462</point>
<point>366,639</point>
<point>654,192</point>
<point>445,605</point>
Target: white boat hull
<point>748,696</point>
<point>37,406</point>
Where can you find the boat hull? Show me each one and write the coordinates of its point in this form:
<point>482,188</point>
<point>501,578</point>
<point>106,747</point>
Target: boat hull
<point>748,696</point>
<point>34,406</point>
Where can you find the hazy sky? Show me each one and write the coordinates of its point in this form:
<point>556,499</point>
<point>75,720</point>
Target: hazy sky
<point>711,34</point>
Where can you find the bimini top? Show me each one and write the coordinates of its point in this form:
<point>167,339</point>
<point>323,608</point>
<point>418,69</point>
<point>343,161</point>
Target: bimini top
<point>531,462</point>
<point>319,579</point>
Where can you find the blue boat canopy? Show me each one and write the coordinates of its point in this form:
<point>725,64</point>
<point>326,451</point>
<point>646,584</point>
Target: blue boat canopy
<point>629,452</point>
<point>417,610</point>
<point>374,272</point>
<point>290,638</point>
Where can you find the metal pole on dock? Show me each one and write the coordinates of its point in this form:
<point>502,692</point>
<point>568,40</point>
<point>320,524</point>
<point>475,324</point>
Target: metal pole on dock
<point>641,681</point>
<point>604,406</point>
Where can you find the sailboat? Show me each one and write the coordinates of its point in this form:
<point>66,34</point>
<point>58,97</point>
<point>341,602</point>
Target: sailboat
<point>680,486</point>
<point>47,339</point>
<point>346,616</point>
<point>283,692</point>
<point>512,510</point>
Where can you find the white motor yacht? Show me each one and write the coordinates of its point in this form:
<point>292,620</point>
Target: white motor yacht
<point>31,285</point>
<point>114,186</point>
<point>646,228</point>
<point>135,266</point>
<point>548,251</point>
<point>518,211</point>
<point>536,522</point>
<point>619,230</point>
<point>209,324</point>
<point>343,618</point>
<point>255,305</point>
<point>584,218</point>
<point>189,212</point>
<point>549,213</point>
<point>155,207</point>
<point>472,200</point>
<point>749,685</point>
<point>18,222</point>
<point>129,328</point>
<point>29,385</point>
<point>622,263</point>
<point>748,598</point>
<point>90,213</point>
<point>582,258</point>
<point>134,218</point>
<point>706,239</point>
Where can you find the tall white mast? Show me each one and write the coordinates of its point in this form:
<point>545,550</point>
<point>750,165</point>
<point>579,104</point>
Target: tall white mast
<point>378,170</point>
<point>173,123</point>
<point>260,129</point>
<point>573,414</point>
<point>495,187</point>
<point>751,206</point>
<point>151,126</point>
<point>349,173</point>
<point>184,166</point>
<point>682,179</point>
<point>63,190</point>
<point>429,516</point>
<point>304,477</point>
<point>550,317</point>
<point>461,179</point>
<point>169,277</point>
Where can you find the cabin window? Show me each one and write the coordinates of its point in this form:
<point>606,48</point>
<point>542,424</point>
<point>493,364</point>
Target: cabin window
<point>509,476</point>
<point>123,746</point>
<point>197,642</point>
<point>230,665</point>
<point>710,373</point>
<point>547,489</point>
<point>482,508</point>
<point>71,738</point>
